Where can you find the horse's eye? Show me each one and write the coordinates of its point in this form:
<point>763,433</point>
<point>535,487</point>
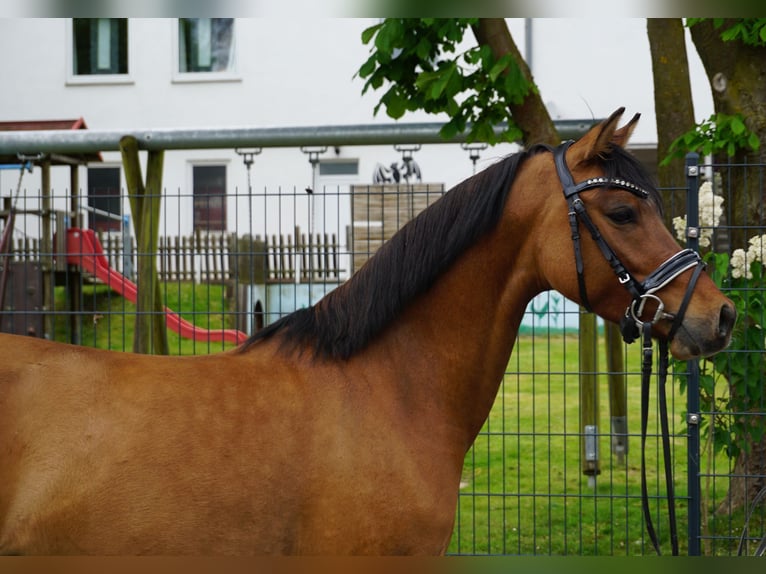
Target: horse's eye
<point>622,215</point>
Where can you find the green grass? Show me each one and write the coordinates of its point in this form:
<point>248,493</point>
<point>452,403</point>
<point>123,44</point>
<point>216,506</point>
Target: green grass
<point>523,491</point>
<point>107,319</point>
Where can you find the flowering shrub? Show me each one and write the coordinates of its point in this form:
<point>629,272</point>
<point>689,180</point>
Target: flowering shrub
<point>732,382</point>
<point>710,211</point>
<point>741,260</point>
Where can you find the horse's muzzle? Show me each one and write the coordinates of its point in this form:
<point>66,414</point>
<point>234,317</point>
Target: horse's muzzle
<point>698,338</point>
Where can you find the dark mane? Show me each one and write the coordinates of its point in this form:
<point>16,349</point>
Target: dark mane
<point>348,318</point>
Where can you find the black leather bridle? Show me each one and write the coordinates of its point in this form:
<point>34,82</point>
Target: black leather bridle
<point>632,324</point>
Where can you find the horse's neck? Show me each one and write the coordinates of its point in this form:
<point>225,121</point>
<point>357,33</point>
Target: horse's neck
<point>452,346</point>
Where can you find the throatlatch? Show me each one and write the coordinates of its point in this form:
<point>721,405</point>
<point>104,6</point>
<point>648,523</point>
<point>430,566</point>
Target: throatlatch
<point>632,324</point>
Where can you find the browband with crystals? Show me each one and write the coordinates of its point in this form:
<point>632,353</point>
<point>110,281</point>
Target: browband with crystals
<point>570,188</point>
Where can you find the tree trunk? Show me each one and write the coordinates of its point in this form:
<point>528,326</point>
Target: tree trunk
<point>737,75</point>
<point>531,115</point>
<point>673,105</point>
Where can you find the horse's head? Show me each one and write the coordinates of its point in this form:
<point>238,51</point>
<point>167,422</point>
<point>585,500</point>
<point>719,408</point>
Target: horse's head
<point>628,262</point>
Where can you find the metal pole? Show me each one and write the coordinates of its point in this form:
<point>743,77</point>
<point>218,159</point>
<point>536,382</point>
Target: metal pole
<point>248,158</point>
<point>693,383</point>
<point>91,141</point>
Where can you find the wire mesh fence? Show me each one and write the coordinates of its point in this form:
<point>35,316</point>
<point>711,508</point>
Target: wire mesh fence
<point>544,476</point>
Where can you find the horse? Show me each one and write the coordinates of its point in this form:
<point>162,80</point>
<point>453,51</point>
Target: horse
<point>341,429</point>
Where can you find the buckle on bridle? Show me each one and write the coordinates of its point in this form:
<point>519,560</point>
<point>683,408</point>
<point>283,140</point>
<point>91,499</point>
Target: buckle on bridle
<point>632,323</point>
<point>658,314</point>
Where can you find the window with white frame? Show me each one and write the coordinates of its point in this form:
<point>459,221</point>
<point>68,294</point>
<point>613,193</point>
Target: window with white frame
<point>209,189</point>
<point>99,46</point>
<point>104,199</point>
<point>205,45</point>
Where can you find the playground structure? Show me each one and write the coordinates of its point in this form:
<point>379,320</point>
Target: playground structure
<point>65,251</point>
<point>85,252</point>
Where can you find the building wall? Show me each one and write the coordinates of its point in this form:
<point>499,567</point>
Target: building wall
<point>301,72</point>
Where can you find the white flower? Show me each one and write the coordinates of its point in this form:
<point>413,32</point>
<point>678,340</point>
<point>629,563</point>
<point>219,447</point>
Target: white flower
<point>710,206</point>
<point>741,260</point>
<point>740,264</point>
<point>710,212</point>
<point>757,247</point>
<point>679,224</point>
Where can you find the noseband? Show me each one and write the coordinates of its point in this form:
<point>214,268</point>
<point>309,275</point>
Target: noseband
<point>632,324</point>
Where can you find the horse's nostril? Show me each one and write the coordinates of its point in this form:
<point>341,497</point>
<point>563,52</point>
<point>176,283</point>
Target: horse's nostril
<point>726,320</point>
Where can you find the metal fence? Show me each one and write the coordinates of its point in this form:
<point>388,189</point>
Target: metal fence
<point>539,479</point>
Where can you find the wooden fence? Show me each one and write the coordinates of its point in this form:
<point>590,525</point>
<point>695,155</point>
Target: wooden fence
<point>223,257</point>
<point>313,258</point>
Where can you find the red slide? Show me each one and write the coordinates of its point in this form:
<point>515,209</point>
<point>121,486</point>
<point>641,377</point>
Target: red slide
<point>85,250</point>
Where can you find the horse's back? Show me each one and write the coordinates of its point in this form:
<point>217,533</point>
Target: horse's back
<point>236,453</point>
<point>161,442</point>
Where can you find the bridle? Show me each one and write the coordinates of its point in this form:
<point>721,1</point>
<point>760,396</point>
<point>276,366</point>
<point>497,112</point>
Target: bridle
<point>632,324</point>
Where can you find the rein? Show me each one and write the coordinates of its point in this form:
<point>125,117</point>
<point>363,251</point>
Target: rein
<point>631,324</point>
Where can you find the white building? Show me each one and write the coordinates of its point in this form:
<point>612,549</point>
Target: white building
<point>174,73</point>
<point>149,74</point>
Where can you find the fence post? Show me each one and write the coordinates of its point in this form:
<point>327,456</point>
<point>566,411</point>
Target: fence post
<point>618,397</point>
<point>150,335</point>
<point>589,399</point>
<point>692,384</point>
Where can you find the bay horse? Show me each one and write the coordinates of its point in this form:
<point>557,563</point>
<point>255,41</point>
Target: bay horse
<point>341,428</point>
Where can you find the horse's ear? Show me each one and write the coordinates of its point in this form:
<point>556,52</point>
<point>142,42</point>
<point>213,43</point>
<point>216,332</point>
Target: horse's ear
<point>622,135</point>
<point>597,141</point>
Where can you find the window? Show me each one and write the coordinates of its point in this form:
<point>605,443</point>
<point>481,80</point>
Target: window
<point>104,199</point>
<point>339,167</point>
<point>99,46</point>
<point>209,185</point>
<point>205,45</point>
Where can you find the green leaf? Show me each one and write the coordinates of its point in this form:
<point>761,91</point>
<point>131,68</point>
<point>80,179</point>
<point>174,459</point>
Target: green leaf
<point>423,49</point>
<point>389,36</point>
<point>707,383</point>
<point>737,125</point>
<point>499,67</point>
<point>438,87</point>
<point>368,33</point>
<point>448,131</point>
<point>425,79</point>
<point>367,68</point>
<point>395,104</point>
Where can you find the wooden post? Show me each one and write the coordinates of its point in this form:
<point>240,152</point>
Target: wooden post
<point>589,396</point>
<point>150,334</point>
<point>618,400</point>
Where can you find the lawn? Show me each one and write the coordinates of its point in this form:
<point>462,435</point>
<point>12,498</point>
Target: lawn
<point>523,490</point>
<point>106,319</point>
